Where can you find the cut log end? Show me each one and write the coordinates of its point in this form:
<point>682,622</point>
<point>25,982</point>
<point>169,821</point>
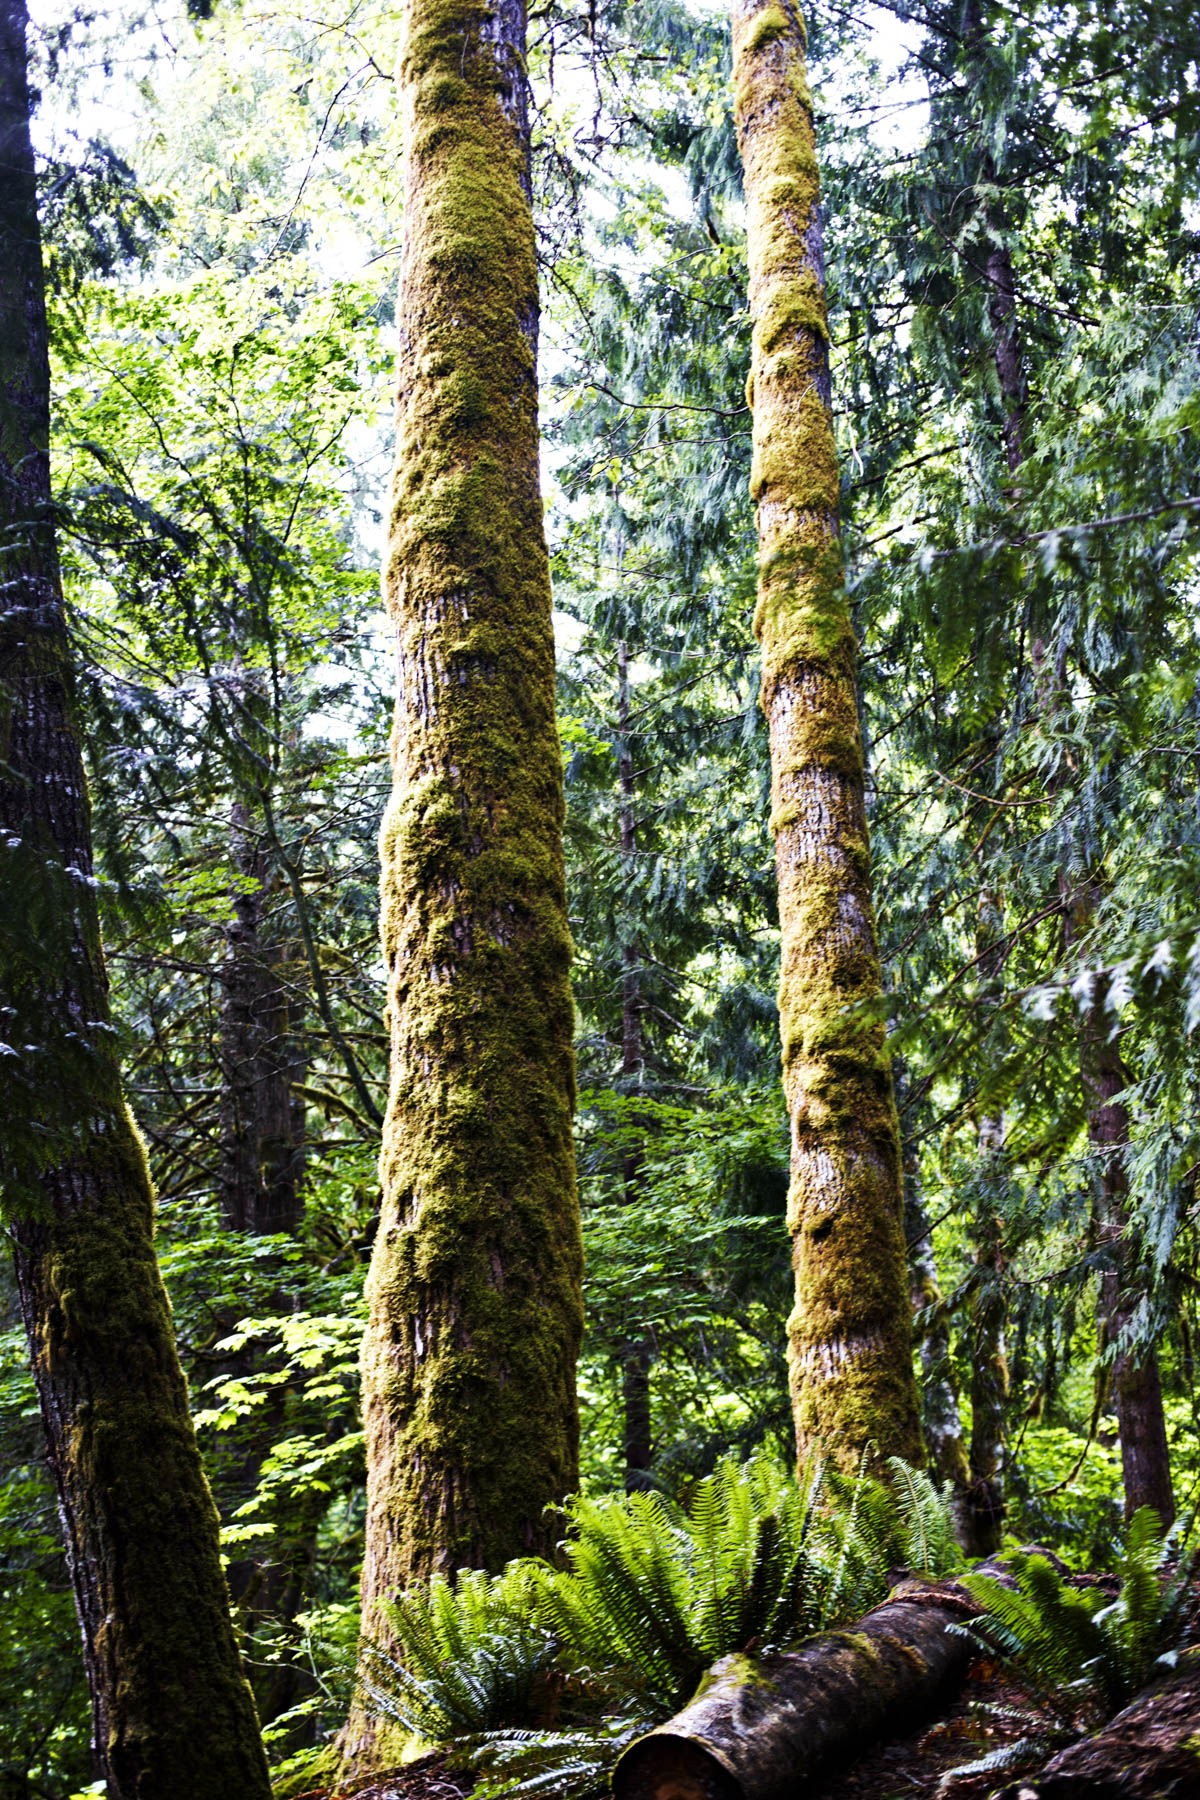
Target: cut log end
<point>666,1767</point>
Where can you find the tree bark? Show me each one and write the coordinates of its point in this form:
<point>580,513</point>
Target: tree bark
<point>173,1718</point>
<point>1150,1751</point>
<point>941,1418</point>
<point>475,1313</point>
<point>983,1514</point>
<point>760,1728</point>
<point>262,1124</point>
<point>1136,1383</point>
<point>850,1359</point>
<point>637,1351</point>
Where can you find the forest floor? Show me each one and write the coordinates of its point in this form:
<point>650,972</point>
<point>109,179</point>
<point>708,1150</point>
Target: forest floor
<point>904,1768</point>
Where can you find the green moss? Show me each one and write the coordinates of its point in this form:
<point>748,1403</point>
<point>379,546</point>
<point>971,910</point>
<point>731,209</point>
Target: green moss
<point>850,1361</point>
<point>792,305</point>
<point>468,1363</point>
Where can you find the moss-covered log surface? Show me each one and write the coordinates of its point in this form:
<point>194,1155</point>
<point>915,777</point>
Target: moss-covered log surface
<point>850,1331</point>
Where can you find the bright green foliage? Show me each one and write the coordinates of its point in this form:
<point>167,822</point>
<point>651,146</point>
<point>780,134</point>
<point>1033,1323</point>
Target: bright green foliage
<point>1075,1644</point>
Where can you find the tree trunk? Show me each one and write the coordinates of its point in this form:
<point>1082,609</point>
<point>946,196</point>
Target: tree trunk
<point>983,1515</point>
<point>1150,1751</point>
<point>637,1351</point>
<point>475,1312</point>
<point>989,1381</point>
<point>761,1728</point>
<point>262,1125</point>
<point>1136,1385</point>
<point>940,1416</point>
<point>850,1331</point>
<point>173,1717</point>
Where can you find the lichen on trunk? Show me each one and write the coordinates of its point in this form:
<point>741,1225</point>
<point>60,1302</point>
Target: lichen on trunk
<point>850,1330</point>
<point>475,1312</point>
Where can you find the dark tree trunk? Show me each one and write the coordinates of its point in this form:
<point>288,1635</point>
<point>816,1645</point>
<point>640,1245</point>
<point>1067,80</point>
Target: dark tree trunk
<point>262,1122</point>
<point>262,1160</point>
<point>637,1351</point>
<point>988,1383</point>
<point>762,1728</point>
<point>173,1718</point>
<point>1136,1384</point>
<point>941,1419</point>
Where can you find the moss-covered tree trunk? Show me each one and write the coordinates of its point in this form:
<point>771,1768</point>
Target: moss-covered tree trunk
<point>850,1331</point>
<point>469,1358</point>
<point>771,1727</point>
<point>173,1717</point>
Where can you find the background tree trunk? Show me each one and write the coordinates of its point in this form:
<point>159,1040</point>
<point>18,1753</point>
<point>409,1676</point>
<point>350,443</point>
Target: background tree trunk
<point>1136,1383</point>
<point>637,1351</point>
<point>475,1313</point>
<point>173,1718</point>
<point>262,1120</point>
<point>941,1418</point>
<point>850,1330</point>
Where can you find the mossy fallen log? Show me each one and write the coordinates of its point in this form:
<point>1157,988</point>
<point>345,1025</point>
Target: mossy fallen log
<point>758,1727</point>
<point>1150,1751</point>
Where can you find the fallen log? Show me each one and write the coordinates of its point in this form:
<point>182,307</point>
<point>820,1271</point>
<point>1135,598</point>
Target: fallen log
<point>1150,1751</point>
<point>758,1727</point>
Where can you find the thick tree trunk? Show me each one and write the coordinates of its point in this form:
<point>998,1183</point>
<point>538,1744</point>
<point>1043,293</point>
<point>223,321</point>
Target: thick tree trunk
<point>173,1717</point>
<point>475,1315</point>
<point>637,1352</point>
<point>760,1728</point>
<point>850,1331</point>
<point>1150,1751</point>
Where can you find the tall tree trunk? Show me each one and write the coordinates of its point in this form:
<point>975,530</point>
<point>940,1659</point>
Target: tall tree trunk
<point>262,1160</point>
<point>262,1155</point>
<point>941,1418</point>
<point>1136,1383</point>
<point>1137,1389</point>
<point>475,1313</point>
<point>850,1331</point>
<point>983,1516</point>
<point>173,1718</point>
<point>637,1351</point>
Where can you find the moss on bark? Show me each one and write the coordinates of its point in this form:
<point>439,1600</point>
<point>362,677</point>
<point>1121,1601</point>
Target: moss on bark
<point>475,1312</point>
<point>850,1331</point>
<point>173,1717</point>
